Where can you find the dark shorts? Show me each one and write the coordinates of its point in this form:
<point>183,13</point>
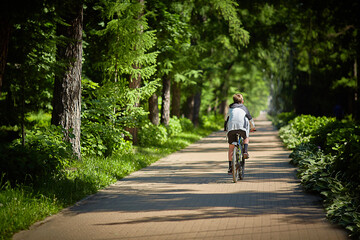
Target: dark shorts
<point>232,135</point>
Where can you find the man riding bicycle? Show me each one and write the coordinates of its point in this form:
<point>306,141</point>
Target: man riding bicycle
<point>237,122</point>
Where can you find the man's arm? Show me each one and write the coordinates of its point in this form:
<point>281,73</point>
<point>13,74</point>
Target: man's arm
<point>252,125</point>
<point>225,124</point>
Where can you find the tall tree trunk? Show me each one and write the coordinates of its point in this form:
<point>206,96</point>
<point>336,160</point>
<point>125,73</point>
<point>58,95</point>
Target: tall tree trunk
<point>224,94</point>
<point>189,110</point>
<point>224,106</point>
<point>176,97</point>
<point>5,30</point>
<point>165,107</point>
<point>67,87</point>
<point>135,82</point>
<point>357,90</point>
<point>197,103</point>
<point>154,109</point>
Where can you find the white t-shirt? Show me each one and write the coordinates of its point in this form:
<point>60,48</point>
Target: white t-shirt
<point>238,118</point>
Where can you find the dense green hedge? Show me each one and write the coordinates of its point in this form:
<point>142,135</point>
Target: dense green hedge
<point>327,154</point>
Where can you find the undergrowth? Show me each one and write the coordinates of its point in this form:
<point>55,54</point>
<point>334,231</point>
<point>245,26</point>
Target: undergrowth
<point>327,154</point>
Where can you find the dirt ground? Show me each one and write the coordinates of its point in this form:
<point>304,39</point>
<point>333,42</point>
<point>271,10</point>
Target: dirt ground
<point>189,195</point>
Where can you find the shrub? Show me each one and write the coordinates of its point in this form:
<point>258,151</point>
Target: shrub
<point>98,139</point>
<point>186,124</point>
<point>282,119</point>
<point>152,135</point>
<point>327,153</point>
<point>174,127</point>
<point>303,129</point>
<point>45,153</point>
<point>212,121</point>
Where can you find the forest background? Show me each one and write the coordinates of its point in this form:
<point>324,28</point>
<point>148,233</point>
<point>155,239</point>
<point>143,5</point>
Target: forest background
<point>96,79</point>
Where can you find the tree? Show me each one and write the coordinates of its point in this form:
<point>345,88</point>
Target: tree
<point>27,83</point>
<point>124,61</point>
<point>5,29</point>
<point>67,86</point>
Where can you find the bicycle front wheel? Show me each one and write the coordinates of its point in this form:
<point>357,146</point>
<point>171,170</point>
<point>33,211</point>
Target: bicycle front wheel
<point>235,167</point>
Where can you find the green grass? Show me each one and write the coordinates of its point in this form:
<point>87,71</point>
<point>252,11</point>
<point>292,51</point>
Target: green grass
<point>22,206</point>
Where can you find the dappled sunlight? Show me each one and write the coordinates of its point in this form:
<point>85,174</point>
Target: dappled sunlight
<point>190,193</point>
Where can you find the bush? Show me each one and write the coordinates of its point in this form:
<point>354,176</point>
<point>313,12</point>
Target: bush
<point>186,124</point>
<point>44,154</point>
<point>327,153</point>
<point>282,119</point>
<point>212,121</point>
<point>152,135</point>
<point>100,140</point>
<point>303,129</point>
<point>174,127</point>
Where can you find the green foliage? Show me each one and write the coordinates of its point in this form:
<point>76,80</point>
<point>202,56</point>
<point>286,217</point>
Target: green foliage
<point>282,119</point>
<point>302,129</point>
<point>44,154</point>
<point>212,121</point>
<point>30,64</point>
<point>100,140</point>
<point>186,124</point>
<point>229,13</point>
<point>152,135</point>
<point>328,162</point>
<point>107,111</point>
<point>174,127</point>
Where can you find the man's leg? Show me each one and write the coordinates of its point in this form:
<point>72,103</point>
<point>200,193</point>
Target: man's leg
<point>246,144</point>
<point>230,153</point>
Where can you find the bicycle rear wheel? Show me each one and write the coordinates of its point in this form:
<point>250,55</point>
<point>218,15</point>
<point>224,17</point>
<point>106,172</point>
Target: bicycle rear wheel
<point>242,167</point>
<point>241,163</point>
<point>235,166</point>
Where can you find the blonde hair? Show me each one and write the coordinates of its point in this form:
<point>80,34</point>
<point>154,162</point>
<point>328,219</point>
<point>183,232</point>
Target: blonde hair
<point>238,98</point>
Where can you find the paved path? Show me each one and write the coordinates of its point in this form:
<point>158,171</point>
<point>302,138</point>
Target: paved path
<point>188,195</point>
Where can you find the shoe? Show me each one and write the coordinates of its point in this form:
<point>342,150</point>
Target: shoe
<point>246,155</point>
<point>230,171</point>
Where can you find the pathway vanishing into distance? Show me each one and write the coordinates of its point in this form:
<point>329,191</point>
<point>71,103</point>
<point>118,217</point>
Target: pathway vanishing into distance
<point>188,195</point>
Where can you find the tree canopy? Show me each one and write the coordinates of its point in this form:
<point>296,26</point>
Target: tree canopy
<point>186,58</point>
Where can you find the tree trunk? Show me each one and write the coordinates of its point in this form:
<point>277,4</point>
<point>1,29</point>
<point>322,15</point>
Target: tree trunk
<point>189,111</point>
<point>224,103</point>
<point>154,109</point>
<point>165,107</point>
<point>197,103</point>
<point>176,97</point>
<point>5,30</point>
<point>357,90</point>
<point>135,82</point>
<point>224,106</point>
<point>67,87</point>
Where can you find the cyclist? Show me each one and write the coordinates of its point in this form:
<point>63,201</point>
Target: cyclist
<point>238,120</point>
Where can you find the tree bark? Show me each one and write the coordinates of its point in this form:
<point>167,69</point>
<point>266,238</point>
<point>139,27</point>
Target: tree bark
<point>165,107</point>
<point>189,110</point>
<point>67,86</point>
<point>224,103</point>
<point>135,82</point>
<point>357,90</point>
<point>5,30</point>
<point>154,109</point>
<point>197,103</point>
<point>176,97</point>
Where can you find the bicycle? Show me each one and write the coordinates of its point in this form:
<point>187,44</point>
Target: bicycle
<point>238,160</point>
